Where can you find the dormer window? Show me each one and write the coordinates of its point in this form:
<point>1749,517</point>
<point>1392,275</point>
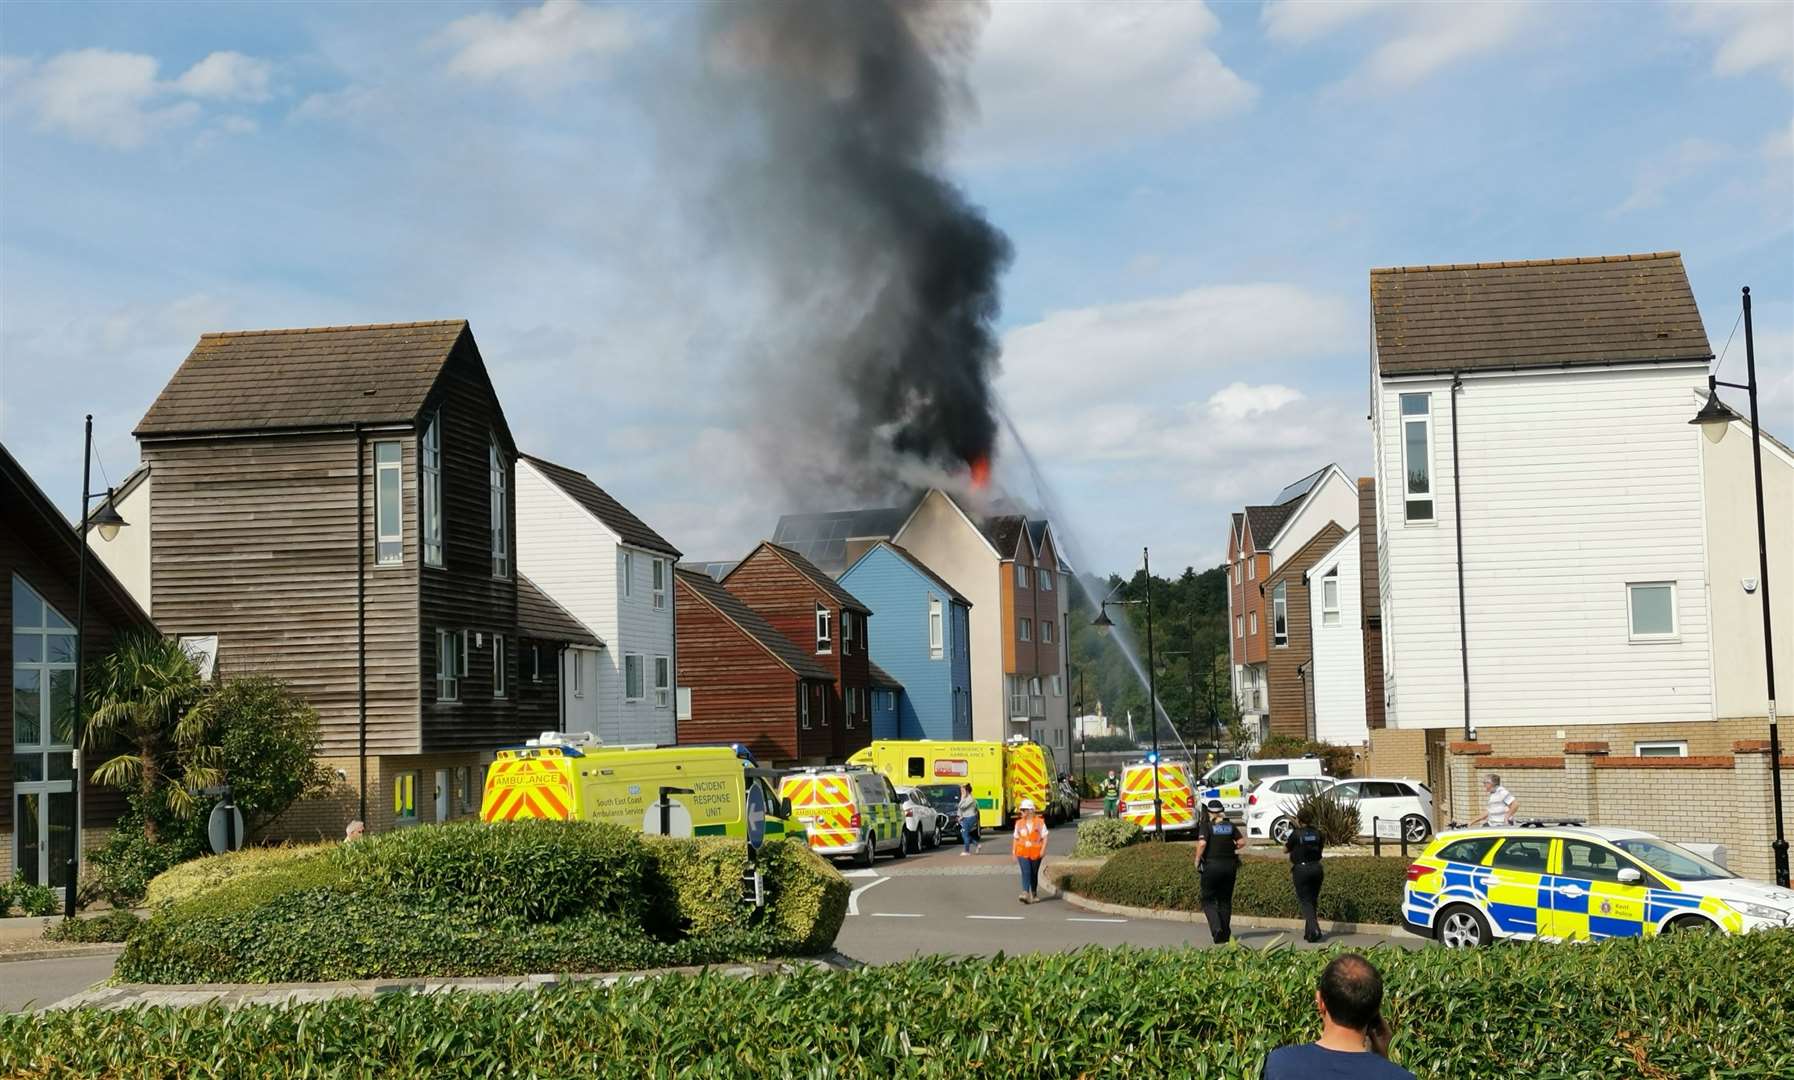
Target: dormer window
<point>824,637</point>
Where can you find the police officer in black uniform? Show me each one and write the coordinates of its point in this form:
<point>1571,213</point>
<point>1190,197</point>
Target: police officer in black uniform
<point>1304,846</point>
<point>1217,862</point>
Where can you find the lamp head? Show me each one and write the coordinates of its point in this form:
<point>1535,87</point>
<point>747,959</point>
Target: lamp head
<point>1102,620</point>
<point>1715,416</point>
<point>107,520</point>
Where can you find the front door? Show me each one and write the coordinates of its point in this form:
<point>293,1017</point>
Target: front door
<point>442,795</point>
<point>1519,904</point>
<point>1588,900</point>
<point>43,733</point>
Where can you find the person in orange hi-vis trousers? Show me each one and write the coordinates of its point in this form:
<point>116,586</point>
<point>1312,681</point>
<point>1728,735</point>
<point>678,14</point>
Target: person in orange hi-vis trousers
<point>1030,848</point>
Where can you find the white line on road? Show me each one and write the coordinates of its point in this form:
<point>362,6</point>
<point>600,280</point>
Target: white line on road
<point>894,915</point>
<point>1078,918</point>
<point>999,918</point>
<point>853,898</point>
<point>859,873</point>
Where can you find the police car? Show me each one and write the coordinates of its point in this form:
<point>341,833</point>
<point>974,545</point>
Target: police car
<point>1565,881</point>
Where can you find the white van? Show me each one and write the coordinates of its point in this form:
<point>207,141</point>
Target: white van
<point>1232,781</point>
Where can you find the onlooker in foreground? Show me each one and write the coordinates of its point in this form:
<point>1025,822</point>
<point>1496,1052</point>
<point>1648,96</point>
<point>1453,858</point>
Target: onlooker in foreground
<point>1030,848</point>
<point>1305,871</point>
<point>968,820</point>
<point>1502,804</point>
<point>1354,1042</point>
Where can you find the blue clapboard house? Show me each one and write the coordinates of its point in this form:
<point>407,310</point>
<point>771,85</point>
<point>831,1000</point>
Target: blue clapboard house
<point>921,640</point>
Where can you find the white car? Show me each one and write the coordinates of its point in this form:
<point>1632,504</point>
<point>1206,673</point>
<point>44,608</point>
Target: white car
<point>922,823</point>
<point>1381,802</point>
<point>1271,808</point>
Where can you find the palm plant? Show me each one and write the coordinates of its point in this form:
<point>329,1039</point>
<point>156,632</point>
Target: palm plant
<point>149,697</point>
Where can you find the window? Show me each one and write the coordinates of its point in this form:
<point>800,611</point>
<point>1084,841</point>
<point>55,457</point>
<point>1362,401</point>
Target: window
<point>1045,577</point>
<point>935,628</point>
<point>577,668</point>
<point>1021,576</point>
<point>1251,569</point>
<point>42,706</point>
<point>1595,862</point>
<point>1280,614</point>
<point>803,706</point>
<point>451,648</point>
<point>1239,626</point>
<point>1527,856</point>
<point>1046,632</point>
<point>1024,629</point>
<point>464,788</point>
<point>632,677</point>
<point>1058,684</point>
<point>500,661</point>
<point>535,663</point>
<point>628,574</point>
<point>660,583</point>
<point>1660,749</point>
<point>1330,599</point>
<point>822,703</point>
<point>847,619</point>
<point>853,706</point>
<point>824,639</point>
<point>682,697</point>
<point>1417,455</point>
<point>1252,624</point>
<point>404,798</point>
<point>501,512</point>
<point>1467,851</point>
<point>431,491</point>
<point>663,682</point>
<point>389,504</point>
<point>1652,607</point>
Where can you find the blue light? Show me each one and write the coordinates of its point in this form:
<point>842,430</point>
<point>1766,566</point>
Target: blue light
<point>1152,758</point>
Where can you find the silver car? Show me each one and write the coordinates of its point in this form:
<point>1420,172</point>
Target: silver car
<point>922,823</point>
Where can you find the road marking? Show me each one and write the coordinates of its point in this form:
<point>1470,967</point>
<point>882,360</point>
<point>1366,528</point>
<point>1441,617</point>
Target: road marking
<point>999,918</point>
<point>859,873</point>
<point>894,915</point>
<point>1077,918</point>
<point>853,898</point>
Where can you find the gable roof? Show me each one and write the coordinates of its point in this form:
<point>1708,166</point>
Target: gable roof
<point>1535,314</point>
<point>540,617</point>
<point>916,564</point>
<point>1300,489</point>
<point>28,511</point>
<point>1346,542</point>
<point>812,573</point>
<point>822,538</point>
<point>882,678</point>
<point>326,376</point>
<point>749,622</point>
<point>612,514</point>
<point>1005,532</point>
<point>117,495</point>
<point>1319,544</point>
<point>975,528</point>
<point>1266,521</point>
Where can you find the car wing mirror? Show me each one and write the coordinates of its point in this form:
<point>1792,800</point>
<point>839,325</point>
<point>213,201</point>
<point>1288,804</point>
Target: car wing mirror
<point>1630,876</point>
<point>785,808</point>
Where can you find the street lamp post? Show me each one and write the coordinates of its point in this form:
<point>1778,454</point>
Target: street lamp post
<point>1714,418</point>
<point>108,522</point>
<point>1103,622</point>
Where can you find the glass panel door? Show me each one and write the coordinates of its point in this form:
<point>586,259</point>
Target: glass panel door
<point>28,846</point>
<point>59,836</point>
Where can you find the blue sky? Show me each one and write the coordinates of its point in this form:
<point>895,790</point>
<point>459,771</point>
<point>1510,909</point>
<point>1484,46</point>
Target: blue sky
<point>1195,195</point>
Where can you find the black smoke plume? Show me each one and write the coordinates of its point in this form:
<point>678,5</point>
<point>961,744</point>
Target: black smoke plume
<point>873,344</point>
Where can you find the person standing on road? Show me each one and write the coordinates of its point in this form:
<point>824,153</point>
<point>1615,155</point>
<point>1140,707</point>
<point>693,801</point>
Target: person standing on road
<point>968,820</point>
<point>1217,862</point>
<point>1111,794</point>
<point>1354,1042</point>
<point>1030,848</point>
<point>1305,871</point>
<point>1502,805</point>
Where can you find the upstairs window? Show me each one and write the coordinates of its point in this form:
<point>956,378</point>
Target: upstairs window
<point>1652,610</point>
<point>1239,626</point>
<point>535,663</point>
<point>1021,576</point>
<point>628,574</point>
<point>1024,629</point>
<point>1252,626</point>
<point>825,641</point>
<point>1330,599</point>
<point>430,491</point>
<point>389,503</point>
<point>1417,456</point>
<point>803,705</point>
<point>663,682</point>
<point>683,698</point>
<point>500,661</point>
<point>501,512</point>
<point>451,663</point>
<point>659,567</point>
<point>852,706</point>
<point>847,621</point>
<point>577,669</point>
<point>1251,569</point>
<point>1046,632</point>
<point>1046,579</point>
<point>1280,614</point>
<point>632,677</point>
<point>936,630</point>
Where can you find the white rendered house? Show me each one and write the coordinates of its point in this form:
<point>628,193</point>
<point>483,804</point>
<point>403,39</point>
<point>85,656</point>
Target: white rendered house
<point>614,574</point>
<point>1336,631</point>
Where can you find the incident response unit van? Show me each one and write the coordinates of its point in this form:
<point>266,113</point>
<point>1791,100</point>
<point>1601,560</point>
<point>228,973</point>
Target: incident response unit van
<point>1232,781</point>
<point>709,790</point>
<point>1002,774</point>
<point>846,810</point>
<point>1176,795</point>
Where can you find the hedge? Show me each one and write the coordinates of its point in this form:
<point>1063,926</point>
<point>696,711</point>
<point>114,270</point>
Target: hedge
<point>479,899</point>
<point>1685,1005</point>
<point>1358,888</point>
<point>1100,837</point>
<point>197,875</point>
<point>115,925</point>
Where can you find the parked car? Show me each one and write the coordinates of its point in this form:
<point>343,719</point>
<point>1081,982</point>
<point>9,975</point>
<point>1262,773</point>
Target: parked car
<point>1378,799</point>
<point>922,822</point>
<point>945,800</point>
<point>1271,807</point>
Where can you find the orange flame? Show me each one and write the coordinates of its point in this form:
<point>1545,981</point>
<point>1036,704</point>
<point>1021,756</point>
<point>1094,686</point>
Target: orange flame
<point>981,472</point>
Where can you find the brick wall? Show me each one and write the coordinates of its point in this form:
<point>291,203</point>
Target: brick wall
<point>325,818</point>
<point>1397,752</point>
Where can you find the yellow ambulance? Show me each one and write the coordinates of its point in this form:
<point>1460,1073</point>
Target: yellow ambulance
<point>573,777</point>
<point>846,810</point>
<point>1001,774</point>
<point>1176,794</point>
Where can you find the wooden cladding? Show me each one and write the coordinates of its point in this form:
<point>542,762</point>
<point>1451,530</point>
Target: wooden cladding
<point>1290,699</point>
<point>740,692</point>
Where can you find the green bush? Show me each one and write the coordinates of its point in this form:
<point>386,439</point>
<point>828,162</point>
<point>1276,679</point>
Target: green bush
<point>806,897</point>
<point>5,898</point>
<point>1681,1006</point>
<point>129,860</point>
<point>267,746</point>
<point>1357,888</point>
<point>186,879</point>
<point>1108,743</point>
<point>115,925</point>
<point>695,885</point>
<point>1337,822</point>
<point>32,899</point>
<point>1101,837</point>
<point>1336,760</point>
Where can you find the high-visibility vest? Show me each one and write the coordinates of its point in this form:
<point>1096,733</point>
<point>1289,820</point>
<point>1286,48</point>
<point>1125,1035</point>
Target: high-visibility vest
<point>1030,837</point>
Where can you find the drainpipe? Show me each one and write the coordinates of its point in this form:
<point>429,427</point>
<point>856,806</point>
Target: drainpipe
<point>361,615</point>
<point>1457,498</point>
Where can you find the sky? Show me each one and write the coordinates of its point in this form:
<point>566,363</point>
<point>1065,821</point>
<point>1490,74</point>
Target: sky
<point>1195,195</point>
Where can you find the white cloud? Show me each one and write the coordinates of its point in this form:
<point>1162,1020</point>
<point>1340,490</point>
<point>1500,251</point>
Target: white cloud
<point>1687,160</point>
<point>1066,76</point>
<point>1238,401</point>
<point>538,47</point>
<point>227,76</point>
<point>1751,34</point>
<point>1418,41</point>
<point>114,99</point>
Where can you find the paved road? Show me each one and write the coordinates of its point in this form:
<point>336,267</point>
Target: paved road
<point>27,983</point>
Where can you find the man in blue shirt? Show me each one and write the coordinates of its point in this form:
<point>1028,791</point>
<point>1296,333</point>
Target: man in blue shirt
<point>1354,1042</point>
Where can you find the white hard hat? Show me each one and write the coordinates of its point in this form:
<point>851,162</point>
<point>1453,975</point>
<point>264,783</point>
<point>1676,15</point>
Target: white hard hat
<point>1028,804</point>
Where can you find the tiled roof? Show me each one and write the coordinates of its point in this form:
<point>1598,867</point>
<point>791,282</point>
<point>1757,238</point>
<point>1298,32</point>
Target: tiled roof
<point>540,617</point>
<point>1005,532</point>
<point>882,678</point>
<point>597,502</point>
<point>1545,313</point>
<point>922,568</point>
<point>817,576</point>
<point>730,607</point>
<point>1267,520</point>
<point>327,376</point>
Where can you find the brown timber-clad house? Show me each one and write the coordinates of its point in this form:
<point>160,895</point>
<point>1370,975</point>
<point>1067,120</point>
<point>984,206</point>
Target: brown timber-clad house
<point>337,505</point>
<point>741,681</point>
<point>1291,653</point>
<point>40,562</point>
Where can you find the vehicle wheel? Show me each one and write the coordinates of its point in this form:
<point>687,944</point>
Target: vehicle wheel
<point>1281,828</point>
<point>1690,924</point>
<point>1415,829</point>
<point>870,852</point>
<point>904,840</point>
<point>1462,927</point>
<point>934,838</point>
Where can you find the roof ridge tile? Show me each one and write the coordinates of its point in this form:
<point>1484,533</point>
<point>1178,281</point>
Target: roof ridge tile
<point>1576,260</point>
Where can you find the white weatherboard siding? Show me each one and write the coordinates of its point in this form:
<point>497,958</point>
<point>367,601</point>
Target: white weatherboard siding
<point>579,702</point>
<point>1576,483</point>
<point>578,562</point>
<point>1732,558</point>
<point>1338,648</point>
<point>1334,499</point>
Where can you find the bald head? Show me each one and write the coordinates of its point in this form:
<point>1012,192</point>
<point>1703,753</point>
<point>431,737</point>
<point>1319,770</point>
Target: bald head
<point>1352,991</point>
